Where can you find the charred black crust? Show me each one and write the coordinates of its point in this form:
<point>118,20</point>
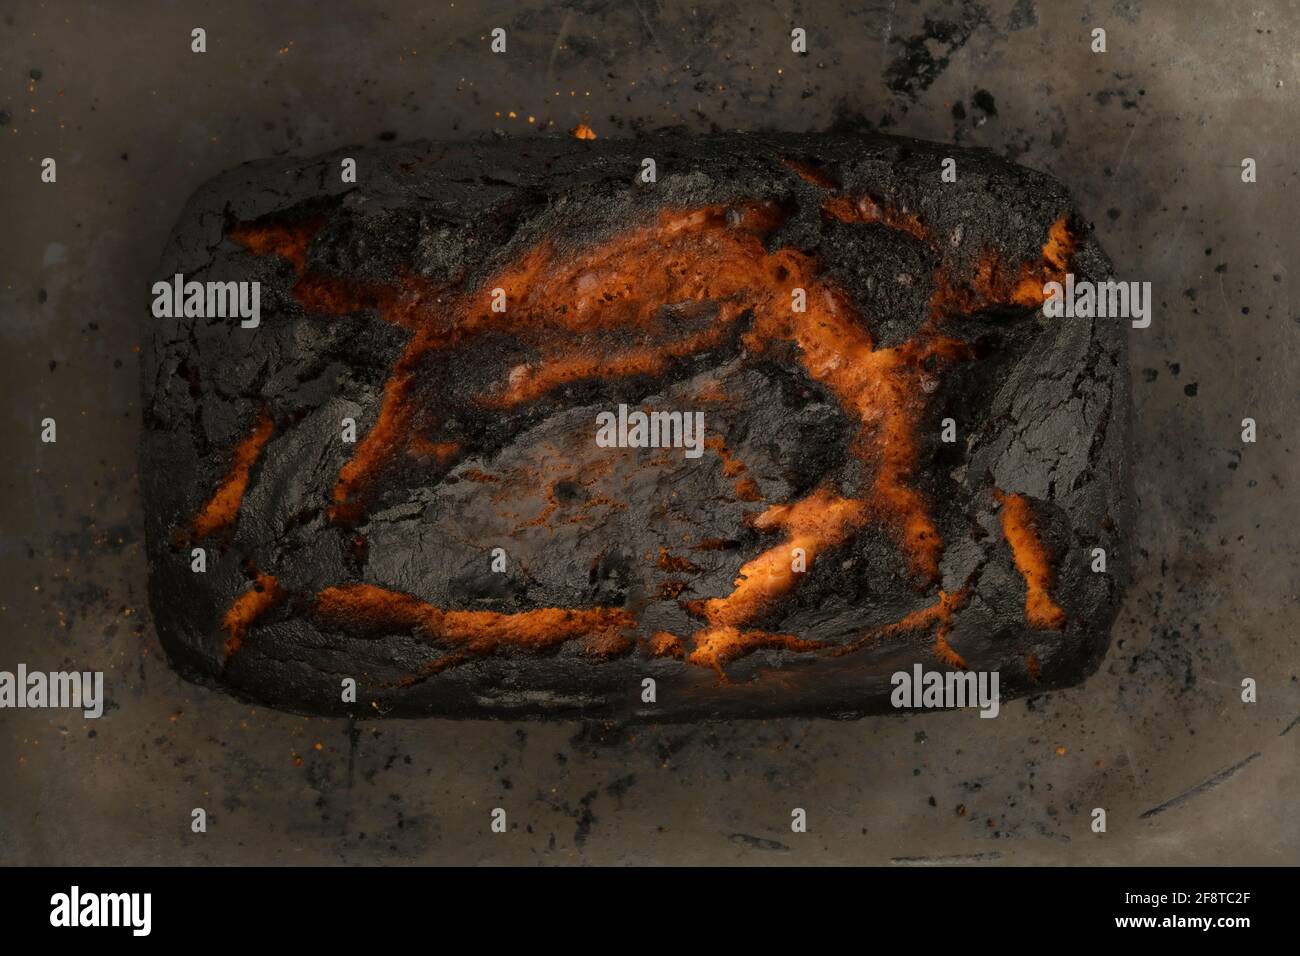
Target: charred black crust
<point>1045,413</point>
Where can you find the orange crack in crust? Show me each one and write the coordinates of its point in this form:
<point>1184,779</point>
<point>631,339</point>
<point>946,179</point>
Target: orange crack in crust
<point>939,615</point>
<point>856,209</point>
<point>365,608</point>
<point>289,240</point>
<point>713,265</point>
<point>1032,561</point>
<point>247,608</point>
<point>223,507</point>
<point>866,209</point>
<point>994,283</point>
<point>663,644</point>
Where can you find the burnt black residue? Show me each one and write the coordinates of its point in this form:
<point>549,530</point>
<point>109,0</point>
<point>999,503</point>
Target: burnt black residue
<point>923,56</point>
<point>1103,98</point>
<point>984,100</point>
<point>1022,15</point>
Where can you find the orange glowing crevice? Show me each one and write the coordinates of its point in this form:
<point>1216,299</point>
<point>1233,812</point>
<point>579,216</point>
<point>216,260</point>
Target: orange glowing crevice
<point>529,383</point>
<point>290,240</point>
<point>1032,561</point>
<point>859,209</point>
<point>943,650</point>
<point>247,608</point>
<point>375,447</point>
<point>996,284</point>
<point>716,646</point>
<point>1060,246</point>
<point>402,305</point>
<point>817,522</point>
<point>940,615</point>
<point>370,610</point>
<point>820,521</point>
<point>223,507</point>
<point>865,209</point>
<point>663,644</point>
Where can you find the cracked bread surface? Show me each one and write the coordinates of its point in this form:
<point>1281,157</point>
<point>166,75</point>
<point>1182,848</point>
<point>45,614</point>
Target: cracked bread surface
<point>373,560</point>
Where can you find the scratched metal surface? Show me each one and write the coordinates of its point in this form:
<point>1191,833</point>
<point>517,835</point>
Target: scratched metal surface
<point>1149,136</point>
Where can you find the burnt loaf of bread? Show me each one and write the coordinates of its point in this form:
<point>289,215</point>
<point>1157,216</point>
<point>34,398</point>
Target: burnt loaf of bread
<point>725,426</point>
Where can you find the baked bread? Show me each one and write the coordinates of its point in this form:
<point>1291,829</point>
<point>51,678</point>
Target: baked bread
<point>902,461</point>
